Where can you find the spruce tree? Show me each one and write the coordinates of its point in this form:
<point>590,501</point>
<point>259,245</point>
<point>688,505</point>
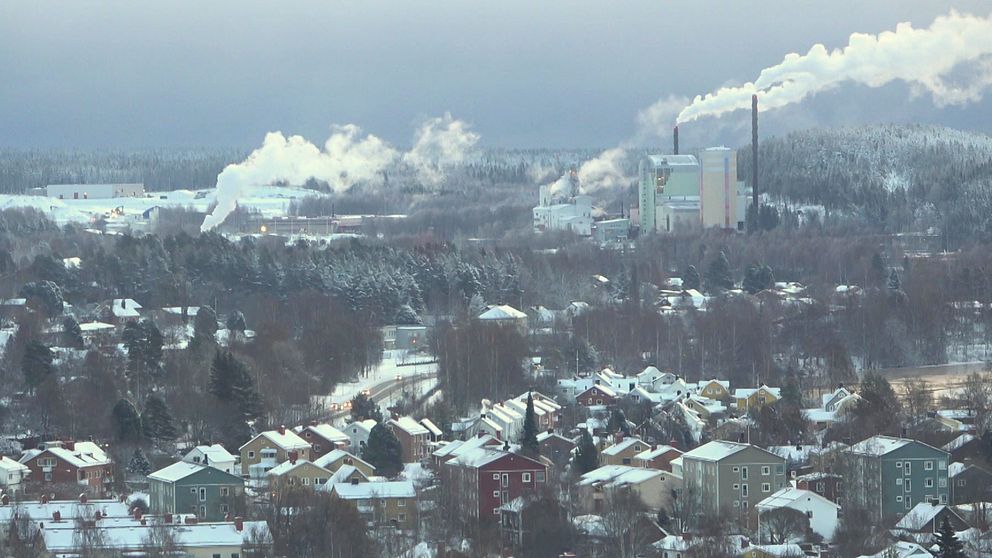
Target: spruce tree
<point>37,364</point>
<point>73,333</point>
<point>363,408</point>
<point>231,383</point>
<point>528,438</point>
<point>586,455</point>
<point>894,283</point>
<point>690,278</point>
<point>139,464</point>
<point>127,423</point>
<point>157,422</point>
<point>718,276</point>
<point>204,327</point>
<point>383,450</point>
<point>948,545</point>
<point>236,322</point>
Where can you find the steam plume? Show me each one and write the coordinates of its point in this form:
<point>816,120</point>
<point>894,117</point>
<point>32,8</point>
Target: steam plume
<point>603,172</point>
<point>440,143</point>
<point>924,58</point>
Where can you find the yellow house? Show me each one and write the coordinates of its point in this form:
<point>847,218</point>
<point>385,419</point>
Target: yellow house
<point>623,451</point>
<point>753,398</point>
<point>339,458</point>
<point>717,390</point>
<point>299,473</point>
<point>270,448</point>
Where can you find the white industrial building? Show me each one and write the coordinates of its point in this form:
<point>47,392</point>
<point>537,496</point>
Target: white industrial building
<point>561,208</point>
<point>94,191</point>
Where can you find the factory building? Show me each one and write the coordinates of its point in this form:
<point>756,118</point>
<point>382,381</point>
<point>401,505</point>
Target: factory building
<point>94,191</point>
<point>561,208</point>
<point>722,199</point>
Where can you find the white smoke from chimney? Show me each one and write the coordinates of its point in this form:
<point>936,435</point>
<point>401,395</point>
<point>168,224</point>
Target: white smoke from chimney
<point>924,58</point>
<point>603,172</point>
<point>655,122</point>
<point>438,144</point>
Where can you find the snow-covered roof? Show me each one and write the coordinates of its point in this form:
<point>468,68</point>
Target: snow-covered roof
<point>288,466</point>
<point>338,454</point>
<point>84,454</point>
<point>607,390</point>
<point>89,327</point>
<point>62,538</point>
<point>366,425</point>
<point>715,451</point>
<point>328,432</point>
<point>786,497</point>
<point>623,445</point>
<point>918,517</point>
<point>502,312</point>
<point>68,509</point>
<point>409,425</point>
<point>287,439</point>
<point>959,442</point>
<point>343,474</point>
<point>744,393</point>
<point>214,453</point>
<point>649,454</point>
<point>431,427</point>
<point>618,475</point>
<point>955,469</point>
<point>177,471</point>
<point>125,308</point>
<point>879,445</point>
<point>12,466</point>
<point>902,549</point>
<point>372,490</point>
<point>788,549</point>
<point>590,525</point>
<point>460,447</point>
<point>178,310</point>
<point>794,453</point>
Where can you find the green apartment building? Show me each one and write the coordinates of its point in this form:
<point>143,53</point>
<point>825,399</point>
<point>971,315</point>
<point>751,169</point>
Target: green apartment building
<point>184,488</point>
<point>889,476</point>
<point>730,476</point>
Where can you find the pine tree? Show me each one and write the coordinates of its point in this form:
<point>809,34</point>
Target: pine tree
<point>231,383</point>
<point>528,438</point>
<point>586,456</point>
<point>139,464</point>
<point>383,451</point>
<point>157,422</point>
<point>690,278</point>
<point>37,364</point>
<point>947,542</point>
<point>127,423</point>
<point>363,408</point>
<point>73,333</point>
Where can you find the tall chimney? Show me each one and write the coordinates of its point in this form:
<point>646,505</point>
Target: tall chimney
<point>675,138</point>
<point>754,162</point>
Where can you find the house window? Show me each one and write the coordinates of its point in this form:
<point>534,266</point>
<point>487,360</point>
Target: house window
<point>251,455</point>
<point>203,511</point>
<point>306,481</point>
<point>744,504</point>
<point>908,485</point>
<point>898,498</point>
<point>809,514</point>
<point>496,476</point>
<point>192,490</point>
<point>743,491</point>
<point>626,461</point>
<point>316,448</point>
<point>737,486</point>
<point>506,496</point>
<point>899,481</point>
<point>942,464</point>
<point>495,493</point>
<point>401,503</point>
<point>780,469</point>
<point>909,503</point>
<point>908,468</point>
<point>505,480</point>
<point>928,483</point>
<point>961,482</point>
<point>402,517</point>
<point>743,473</point>
<point>495,511</point>
<point>48,477</point>
<point>737,469</point>
<point>540,476</point>
<point>766,470</point>
<point>224,508</point>
<point>766,487</point>
<point>899,464</point>
<point>203,494</point>
<point>225,491</point>
<point>819,487</point>
<point>943,498</point>
<point>928,465</point>
<point>737,503</point>
<point>525,477</point>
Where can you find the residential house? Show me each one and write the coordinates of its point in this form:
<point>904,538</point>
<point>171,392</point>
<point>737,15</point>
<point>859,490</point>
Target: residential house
<point>485,478</point>
<point>828,485</point>
<point>891,475</point>
<point>969,483</point>
<point>751,398</point>
<point>902,549</point>
<point>657,457</point>
<point>650,378</point>
<point>123,310</point>
<point>214,456</point>
<point>956,420</point>
<point>705,407</point>
<point>505,315</point>
<point>965,447</point>
<point>717,390</point>
<point>822,513</point>
<point>69,462</point>
<point>731,476</point>
<point>323,438</point>
<point>555,447</point>
<point>358,433</point>
<point>381,503</point>
<point>270,448</point>
<point>434,434</point>
<point>457,448</point>
<point>203,491</point>
<point>654,487</point>
<point>347,474</point>
<point>339,458</point>
<point>597,395</point>
<point>413,437</point>
<point>925,518</point>
<point>623,450</point>
<point>12,475</point>
<point>297,472</point>
<point>787,550</point>
<point>129,537</point>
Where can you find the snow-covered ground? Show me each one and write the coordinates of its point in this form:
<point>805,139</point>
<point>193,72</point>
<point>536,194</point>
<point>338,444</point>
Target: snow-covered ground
<point>396,367</point>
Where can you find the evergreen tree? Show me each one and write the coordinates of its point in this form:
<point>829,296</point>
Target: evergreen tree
<point>718,276</point>
<point>618,422</point>
<point>73,333</point>
<point>894,283</point>
<point>690,278</point>
<point>948,545</point>
<point>383,450</point>
<point>878,274</point>
<point>236,322</point>
<point>46,296</point>
<point>127,423</point>
<point>139,464</point>
<point>205,326</point>
<point>363,408</point>
<point>752,282</point>
<point>528,438</point>
<point>156,422</point>
<point>231,383</point>
<point>37,364</point>
<point>586,455</point>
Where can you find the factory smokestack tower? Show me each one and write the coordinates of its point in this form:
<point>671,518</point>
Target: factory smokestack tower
<point>675,138</point>
<point>754,163</point>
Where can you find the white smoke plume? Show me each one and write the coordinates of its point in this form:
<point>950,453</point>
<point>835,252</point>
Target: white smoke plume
<point>440,143</point>
<point>924,58</point>
<point>604,172</point>
<point>656,122</point>
<point>348,157</point>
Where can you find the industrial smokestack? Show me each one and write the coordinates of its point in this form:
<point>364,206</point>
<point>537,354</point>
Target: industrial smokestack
<point>754,162</point>
<point>675,138</point>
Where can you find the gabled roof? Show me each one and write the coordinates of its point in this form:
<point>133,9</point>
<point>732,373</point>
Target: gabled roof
<point>902,549</point>
<point>409,426</point>
<point>288,466</point>
<point>922,514</point>
<point>716,450</point>
<point>373,490</point>
<point>959,442</point>
<point>9,465</point>
<point>883,445</point>
<point>786,497</point>
<point>502,312</point>
<point>177,471</point>
<point>84,454</point>
<point>431,427</point>
<point>602,387</point>
<point>215,453</point>
<point>328,432</point>
<point>459,447</point>
<point>623,445</point>
<point>343,474</point>
<point>743,393</point>
<point>618,475</point>
<point>287,440</point>
<point>649,454</point>
<point>335,455</point>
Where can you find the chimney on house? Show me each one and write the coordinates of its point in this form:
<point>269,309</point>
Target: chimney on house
<point>168,519</point>
<point>282,429</point>
<point>675,138</point>
<point>618,437</point>
<point>143,522</point>
<point>56,516</point>
<point>313,423</point>
<point>239,523</point>
<point>551,431</point>
<point>137,514</point>
<point>69,445</point>
<point>97,515</point>
<point>122,498</point>
<point>82,498</point>
<point>293,456</point>
<point>5,500</point>
<point>44,498</point>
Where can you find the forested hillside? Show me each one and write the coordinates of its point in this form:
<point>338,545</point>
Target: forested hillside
<point>898,178</point>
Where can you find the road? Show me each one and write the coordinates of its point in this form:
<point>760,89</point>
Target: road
<point>383,390</point>
<point>943,378</point>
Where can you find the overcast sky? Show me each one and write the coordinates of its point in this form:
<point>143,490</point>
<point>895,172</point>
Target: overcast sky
<point>524,73</point>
